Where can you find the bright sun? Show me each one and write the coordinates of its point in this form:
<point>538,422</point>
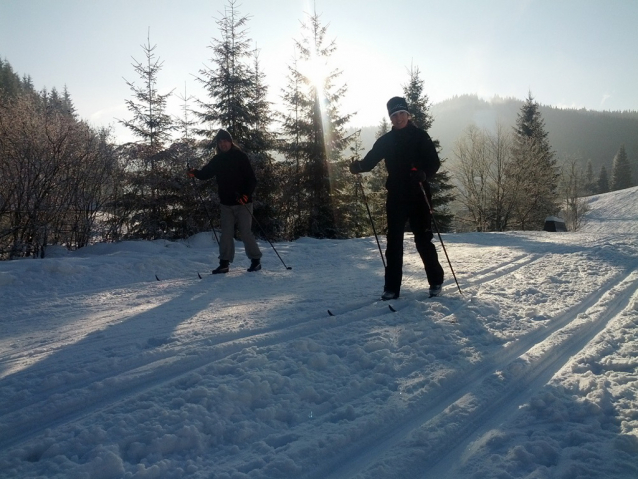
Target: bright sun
<point>317,72</point>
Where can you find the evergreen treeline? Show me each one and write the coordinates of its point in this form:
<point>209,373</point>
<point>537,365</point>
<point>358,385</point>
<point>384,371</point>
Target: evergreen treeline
<point>64,182</point>
<point>67,183</point>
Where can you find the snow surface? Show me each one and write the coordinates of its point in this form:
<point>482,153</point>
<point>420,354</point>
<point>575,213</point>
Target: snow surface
<point>106,372</point>
<point>613,212</point>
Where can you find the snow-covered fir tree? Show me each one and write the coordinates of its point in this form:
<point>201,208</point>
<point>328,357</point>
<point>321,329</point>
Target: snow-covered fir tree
<point>534,173</point>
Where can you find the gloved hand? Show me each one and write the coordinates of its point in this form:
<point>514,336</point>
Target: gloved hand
<point>355,167</point>
<point>242,199</point>
<point>418,175</point>
<point>191,173</point>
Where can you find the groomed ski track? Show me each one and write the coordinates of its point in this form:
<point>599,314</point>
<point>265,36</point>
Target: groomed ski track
<point>147,371</point>
<point>520,367</point>
<point>523,368</point>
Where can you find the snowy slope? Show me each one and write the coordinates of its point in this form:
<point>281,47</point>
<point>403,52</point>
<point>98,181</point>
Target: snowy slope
<point>613,212</point>
<point>106,372</point>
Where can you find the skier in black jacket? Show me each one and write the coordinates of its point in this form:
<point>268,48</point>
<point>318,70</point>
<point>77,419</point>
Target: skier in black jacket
<point>410,158</point>
<point>236,182</point>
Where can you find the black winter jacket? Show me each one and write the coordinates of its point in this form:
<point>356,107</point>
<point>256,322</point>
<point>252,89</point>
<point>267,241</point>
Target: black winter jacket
<point>235,175</point>
<point>404,149</point>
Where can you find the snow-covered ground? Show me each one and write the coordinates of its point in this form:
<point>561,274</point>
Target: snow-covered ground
<point>613,212</point>
<point>106,372</point>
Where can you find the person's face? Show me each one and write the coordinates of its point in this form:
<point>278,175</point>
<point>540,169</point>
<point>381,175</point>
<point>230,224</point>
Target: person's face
<point>224,145</point>
<point>399,119</point>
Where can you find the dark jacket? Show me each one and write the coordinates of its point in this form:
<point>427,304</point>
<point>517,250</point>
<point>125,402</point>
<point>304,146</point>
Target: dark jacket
<point>404,149</point>
<point>235,175</point>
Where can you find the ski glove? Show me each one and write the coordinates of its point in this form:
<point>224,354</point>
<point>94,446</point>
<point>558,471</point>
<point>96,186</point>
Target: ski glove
<point>418,175</point>
<point>191,173</point>
<point>355,167</point>
<point>242,199</point>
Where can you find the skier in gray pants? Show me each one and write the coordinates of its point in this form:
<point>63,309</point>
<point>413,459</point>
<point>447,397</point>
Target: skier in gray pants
<point>236,182</point>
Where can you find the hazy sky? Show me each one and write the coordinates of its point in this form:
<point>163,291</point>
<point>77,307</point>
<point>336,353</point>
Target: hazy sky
<point>568,53</point>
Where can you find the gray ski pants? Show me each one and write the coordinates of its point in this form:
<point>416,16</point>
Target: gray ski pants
<point>239,215</point>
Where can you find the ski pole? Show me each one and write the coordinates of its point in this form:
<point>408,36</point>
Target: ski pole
<point>201,200</point>
<point>265,235</point>
<point>374,230</point>
<point>436,226</point>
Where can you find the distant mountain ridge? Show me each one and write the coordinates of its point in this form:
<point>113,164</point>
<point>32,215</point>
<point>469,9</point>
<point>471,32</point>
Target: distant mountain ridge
<point>581,134</point>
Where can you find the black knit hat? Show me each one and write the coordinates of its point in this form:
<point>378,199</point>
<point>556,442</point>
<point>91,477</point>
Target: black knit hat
<point>223,135</point>
<point>397,104</point>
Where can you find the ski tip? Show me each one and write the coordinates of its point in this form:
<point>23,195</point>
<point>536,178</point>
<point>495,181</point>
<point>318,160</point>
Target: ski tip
<point>391,308</point>
<point>199,275</point>
<point>330,313</point>
<point>157,278</point>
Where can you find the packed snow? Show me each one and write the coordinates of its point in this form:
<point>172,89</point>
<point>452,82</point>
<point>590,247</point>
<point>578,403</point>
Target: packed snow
<point>613,212</point>
<point>118,361</point>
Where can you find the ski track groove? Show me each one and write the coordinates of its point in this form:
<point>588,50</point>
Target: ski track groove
<point>19,431</point>
<point>434,464</point>
<point>496,272</point>
<point>491,273</point>
<point>87,401</point>
<point>524,387</point>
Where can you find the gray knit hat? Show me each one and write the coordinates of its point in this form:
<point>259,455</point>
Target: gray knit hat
<point>397,104</point>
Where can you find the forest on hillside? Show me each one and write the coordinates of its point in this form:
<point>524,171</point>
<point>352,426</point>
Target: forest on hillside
<point>572,133</point>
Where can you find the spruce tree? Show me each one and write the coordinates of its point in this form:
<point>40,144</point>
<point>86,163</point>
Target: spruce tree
<point>259,145</point>
<point>149,167</point>
<point>590,182</point>
<point>603,180</point>
<point>237,102</point>
<point>150,123</point>
<point>229,83</point>
<point>189,214</point>
<point>621,171</point>
<point>441,186</point>
<point>418,102</point>
<point>375,185</point>
<point>60,103</point>
<point>294,129</point>
<point>185,124</point>
<point>67,103</point>
<point>27,84</point>
<point>350,209</point>
<point>533,173</point>
<point>314,129</point>
<point>10,84</point>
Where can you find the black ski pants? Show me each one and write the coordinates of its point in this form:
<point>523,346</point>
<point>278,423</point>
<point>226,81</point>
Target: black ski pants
<point>399,210</point>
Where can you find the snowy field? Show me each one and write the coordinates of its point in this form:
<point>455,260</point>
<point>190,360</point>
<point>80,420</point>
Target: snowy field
<point>106,372</point>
